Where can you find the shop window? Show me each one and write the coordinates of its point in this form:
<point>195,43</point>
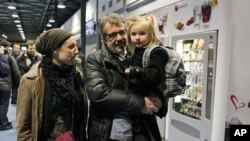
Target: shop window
<point>110,3</point>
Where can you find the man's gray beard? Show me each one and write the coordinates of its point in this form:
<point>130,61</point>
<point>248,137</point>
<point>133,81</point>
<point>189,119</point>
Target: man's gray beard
<point>113,50</point>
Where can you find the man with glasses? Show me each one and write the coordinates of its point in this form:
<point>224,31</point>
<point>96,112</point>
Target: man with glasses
<point>107,87</point>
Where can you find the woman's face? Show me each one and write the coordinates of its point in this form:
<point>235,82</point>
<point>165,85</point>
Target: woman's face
<point>65,55</point>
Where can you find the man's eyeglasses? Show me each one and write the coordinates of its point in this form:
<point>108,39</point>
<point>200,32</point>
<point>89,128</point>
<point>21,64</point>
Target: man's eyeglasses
<point>112,36</point>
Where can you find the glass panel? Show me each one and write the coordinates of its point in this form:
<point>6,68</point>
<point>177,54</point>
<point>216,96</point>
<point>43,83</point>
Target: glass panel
<point>192,53</point>
<point>210,76</point>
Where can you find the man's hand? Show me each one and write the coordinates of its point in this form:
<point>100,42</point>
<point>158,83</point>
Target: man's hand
<point>1,49</point>
<point>127,71</point>
<point>156,100</point>
<point>149,107</point>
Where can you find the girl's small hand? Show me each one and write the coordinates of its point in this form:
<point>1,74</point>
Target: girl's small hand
<point>127,71</point>
<point>1,49</point>
<point>149,107</point>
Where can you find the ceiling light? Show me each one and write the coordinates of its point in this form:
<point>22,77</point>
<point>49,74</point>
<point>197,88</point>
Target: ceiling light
<point>18,25</point>
<point>17,21</point>
<point>15,15</point>
<point>12,7</point>
<point>51,20</point>
<point>20,29</point>
<point>3,35</point>
<point>22,35</point>
<point>49,25</point>
<point>61,5</point>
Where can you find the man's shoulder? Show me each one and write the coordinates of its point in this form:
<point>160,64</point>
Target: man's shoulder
<point>34,71</point>
<point>96,55</point>
<point>39,55</point>
<point>21,56</point>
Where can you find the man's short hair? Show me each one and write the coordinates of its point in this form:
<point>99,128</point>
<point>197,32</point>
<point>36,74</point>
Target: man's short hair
<point>30,42</point>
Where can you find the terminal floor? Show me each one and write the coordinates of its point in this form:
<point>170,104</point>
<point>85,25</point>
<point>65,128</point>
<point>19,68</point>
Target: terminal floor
<point>10,135</point>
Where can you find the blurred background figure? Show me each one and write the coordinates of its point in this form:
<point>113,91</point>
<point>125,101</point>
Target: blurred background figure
<point>79,61</point>
<point>15,51</point>
<point>25,62</point>
<point>4,65</point>
<point>7,83</point>
<point>94,49</point>
<point>28,58</point>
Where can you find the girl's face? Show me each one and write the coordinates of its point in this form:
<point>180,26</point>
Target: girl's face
<point>65,55</point>
<point>139,35</point>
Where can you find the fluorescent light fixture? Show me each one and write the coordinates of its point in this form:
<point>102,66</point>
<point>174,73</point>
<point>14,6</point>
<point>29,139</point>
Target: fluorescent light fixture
<point>20,29</point>
<point>51,20</point>
<point>18,25</point>
<point>3,35</point>
<point>61,5</point>
<point>12,7</point>
<point>49,25</point>
<point>15,15</point>
<point>17,21</point>
<point>22,35</point>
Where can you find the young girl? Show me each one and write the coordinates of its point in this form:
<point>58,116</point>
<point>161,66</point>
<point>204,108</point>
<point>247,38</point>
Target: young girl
<point>144,81</point>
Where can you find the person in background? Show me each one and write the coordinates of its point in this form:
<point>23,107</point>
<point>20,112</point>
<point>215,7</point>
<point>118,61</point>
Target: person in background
<point>52,104</point>
<point>79,61</point>
<point>107,86</point>
<point>4,64</point>
<point>93,49</point>
<point>7,83</point>
<point>24,62</point>
<point>28,58</point>
<point>15,51</point>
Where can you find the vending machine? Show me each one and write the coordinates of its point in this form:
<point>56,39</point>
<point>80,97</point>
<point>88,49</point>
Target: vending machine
<point>191,113</point>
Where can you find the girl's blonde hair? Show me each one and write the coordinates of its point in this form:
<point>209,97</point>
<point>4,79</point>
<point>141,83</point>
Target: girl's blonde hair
<point>143,22</point>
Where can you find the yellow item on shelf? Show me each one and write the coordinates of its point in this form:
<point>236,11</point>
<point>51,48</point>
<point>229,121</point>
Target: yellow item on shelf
<point>214,2</point>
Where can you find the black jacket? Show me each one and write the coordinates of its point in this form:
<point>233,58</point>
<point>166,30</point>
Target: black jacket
<point>10,81</point>
<point>4,66</point>
<point>21,62</point>
<point>108,92</point>
<point>149,80</point>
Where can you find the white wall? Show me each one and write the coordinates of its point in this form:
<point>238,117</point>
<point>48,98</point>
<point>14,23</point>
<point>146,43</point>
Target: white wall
<point>239,80</point>
<point>73,24</point>
<point>151,7</point>
<point>115,6</point>
<point>91,10</point>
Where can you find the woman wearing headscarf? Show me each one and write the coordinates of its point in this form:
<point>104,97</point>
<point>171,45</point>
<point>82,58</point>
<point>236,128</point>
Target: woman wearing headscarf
<point>52,104</point>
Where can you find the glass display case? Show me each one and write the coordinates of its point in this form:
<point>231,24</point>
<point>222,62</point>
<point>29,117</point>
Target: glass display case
<point>198,55</point>
<point>190,113</point>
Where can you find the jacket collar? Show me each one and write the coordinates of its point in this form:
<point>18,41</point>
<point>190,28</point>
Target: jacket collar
<point>34,71</point>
